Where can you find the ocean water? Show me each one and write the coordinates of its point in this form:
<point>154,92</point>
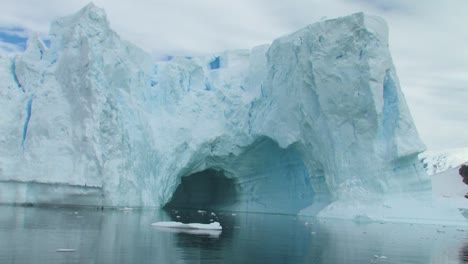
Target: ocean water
<point>90,235</point>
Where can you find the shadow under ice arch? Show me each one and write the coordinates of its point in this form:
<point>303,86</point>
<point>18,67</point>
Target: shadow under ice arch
<point>263,178</point>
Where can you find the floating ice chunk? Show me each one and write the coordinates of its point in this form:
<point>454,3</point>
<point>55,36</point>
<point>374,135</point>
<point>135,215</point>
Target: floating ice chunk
<point>363,219</point>
<point>213,226</point>
<point>66,250</point>
<point>171,224</point>
<point>377,258</point>
<point>206,232</point>
<point>209,232</point>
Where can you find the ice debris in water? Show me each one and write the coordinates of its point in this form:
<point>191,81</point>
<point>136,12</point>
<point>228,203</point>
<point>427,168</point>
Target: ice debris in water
<point>172,224</point>
<point>66,250</point>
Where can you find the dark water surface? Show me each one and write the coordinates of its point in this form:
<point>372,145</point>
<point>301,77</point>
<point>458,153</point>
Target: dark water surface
<point>33,235</point>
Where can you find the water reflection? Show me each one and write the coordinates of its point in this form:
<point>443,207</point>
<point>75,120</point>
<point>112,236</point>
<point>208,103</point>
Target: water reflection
<point>463,253</point>
<point>32,235</point>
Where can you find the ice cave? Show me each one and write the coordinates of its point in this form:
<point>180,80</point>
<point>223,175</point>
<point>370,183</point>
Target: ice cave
<point>262,178</point>
<point>208,189</point>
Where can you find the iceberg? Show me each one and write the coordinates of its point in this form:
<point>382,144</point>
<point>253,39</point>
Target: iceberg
<point>313,120</point>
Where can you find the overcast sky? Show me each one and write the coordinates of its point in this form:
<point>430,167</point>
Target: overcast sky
<point>428,40</point>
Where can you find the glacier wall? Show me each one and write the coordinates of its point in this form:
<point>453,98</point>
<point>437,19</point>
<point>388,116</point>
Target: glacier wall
<point>315,118</point>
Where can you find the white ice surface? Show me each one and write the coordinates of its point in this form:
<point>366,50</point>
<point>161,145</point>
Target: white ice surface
<point>66,250</point>
<point>172,224</point>
<point>440,161</point>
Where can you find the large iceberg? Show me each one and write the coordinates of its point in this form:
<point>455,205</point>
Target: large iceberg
<point>315,119</point>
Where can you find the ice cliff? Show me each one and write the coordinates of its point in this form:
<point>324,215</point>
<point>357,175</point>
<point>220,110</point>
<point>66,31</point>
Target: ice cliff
<point>315,119</point>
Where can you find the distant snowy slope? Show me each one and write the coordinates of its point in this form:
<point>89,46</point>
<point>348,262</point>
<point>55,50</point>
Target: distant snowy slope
<point>439,161</point>
<point>449,189</point>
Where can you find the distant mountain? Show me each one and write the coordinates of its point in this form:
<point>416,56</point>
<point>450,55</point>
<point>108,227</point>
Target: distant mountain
<point>440,161</point>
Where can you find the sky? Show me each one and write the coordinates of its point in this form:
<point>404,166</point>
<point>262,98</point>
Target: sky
<point>428,40</point>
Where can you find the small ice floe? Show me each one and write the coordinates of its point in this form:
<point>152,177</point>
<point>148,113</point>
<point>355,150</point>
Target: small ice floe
<point>201,212</point>
<point>313,233</point>
<point>213,214</point>
<point>75,212</point>
<point>203,232</point>
<point>378,258</point>
<point>171,224</point>
<point>66,250</point>
<point>177,216</point>
<point>212,230</point>
<point>233,214</point>
<point>126,209</point>
<point>363,219</point>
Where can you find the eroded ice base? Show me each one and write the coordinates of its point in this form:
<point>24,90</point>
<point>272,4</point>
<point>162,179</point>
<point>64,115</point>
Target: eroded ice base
<point>445,205</point>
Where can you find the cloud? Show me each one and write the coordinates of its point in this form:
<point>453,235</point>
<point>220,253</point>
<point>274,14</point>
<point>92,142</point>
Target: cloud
<point>428,40</point>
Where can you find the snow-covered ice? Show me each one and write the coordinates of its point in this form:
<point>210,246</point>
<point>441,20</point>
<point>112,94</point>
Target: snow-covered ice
<point>66,250</point>
<point>440,161</point>
<point>314,123</point>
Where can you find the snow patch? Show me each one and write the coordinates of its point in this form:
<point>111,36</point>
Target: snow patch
<point>442,160</point>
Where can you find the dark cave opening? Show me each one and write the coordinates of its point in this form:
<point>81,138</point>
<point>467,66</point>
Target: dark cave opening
<point>208,189</point>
